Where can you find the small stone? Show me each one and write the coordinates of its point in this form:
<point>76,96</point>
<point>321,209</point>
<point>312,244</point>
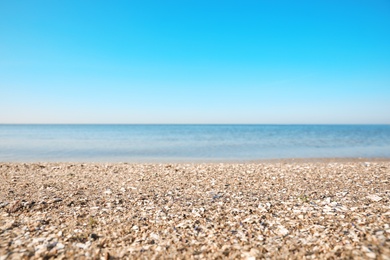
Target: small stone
<point>82,246</point>
<point>93,236</point>
<point>51,245</point>
<point>3,204</point>
<point>374,198</point>
<point>15,206</point>
<point>282,231</point>
<point>57,200</point>
<point>38,240</point>
<point>154,236</point>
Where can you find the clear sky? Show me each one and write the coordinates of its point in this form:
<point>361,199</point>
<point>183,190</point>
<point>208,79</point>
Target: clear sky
<point>184,61</point>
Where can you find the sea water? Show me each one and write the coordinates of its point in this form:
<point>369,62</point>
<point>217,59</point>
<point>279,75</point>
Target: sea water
<point>189,143</point>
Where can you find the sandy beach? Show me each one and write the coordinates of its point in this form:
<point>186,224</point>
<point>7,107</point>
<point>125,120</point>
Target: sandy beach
<point>276,210</point>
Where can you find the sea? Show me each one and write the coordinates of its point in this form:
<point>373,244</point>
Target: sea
<point>190,143</point>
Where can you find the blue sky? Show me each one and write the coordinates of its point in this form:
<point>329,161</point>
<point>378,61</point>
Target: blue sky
<point>266,62</point>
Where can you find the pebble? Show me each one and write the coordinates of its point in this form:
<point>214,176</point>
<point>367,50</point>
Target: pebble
<point>374,198</point>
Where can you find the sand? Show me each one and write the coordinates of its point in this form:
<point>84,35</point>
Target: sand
<point>313,209</point>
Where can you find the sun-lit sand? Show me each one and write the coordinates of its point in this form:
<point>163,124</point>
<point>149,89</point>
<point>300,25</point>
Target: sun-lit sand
<point>278,210</point>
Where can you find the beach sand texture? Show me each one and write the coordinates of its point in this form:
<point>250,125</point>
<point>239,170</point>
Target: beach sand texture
<point>277,210</point>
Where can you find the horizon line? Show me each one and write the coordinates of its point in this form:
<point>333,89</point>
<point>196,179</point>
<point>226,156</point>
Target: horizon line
<point>151,124</point>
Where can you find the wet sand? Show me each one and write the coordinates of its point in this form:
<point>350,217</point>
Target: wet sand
<point>297,208</point>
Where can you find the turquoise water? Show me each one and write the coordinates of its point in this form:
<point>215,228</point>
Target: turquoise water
<point>175,143</point>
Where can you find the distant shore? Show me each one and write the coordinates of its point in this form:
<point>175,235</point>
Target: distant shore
<point>283,208</point>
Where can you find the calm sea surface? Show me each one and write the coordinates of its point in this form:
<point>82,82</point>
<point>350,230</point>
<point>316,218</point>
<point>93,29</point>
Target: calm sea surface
<point>175,143</point>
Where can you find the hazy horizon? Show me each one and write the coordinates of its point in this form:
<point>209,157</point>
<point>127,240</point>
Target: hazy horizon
<point>175,62</point>
<point>189,124</point>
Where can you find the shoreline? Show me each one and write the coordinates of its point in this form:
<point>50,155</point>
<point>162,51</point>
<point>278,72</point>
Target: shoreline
<point>290,208</point>
<point>222,161</point>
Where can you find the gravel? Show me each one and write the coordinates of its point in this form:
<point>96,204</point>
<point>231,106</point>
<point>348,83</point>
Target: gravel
<point>272,210</point>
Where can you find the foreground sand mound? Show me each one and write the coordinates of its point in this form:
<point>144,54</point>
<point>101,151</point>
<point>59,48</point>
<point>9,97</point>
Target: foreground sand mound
<point>260,210</point>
